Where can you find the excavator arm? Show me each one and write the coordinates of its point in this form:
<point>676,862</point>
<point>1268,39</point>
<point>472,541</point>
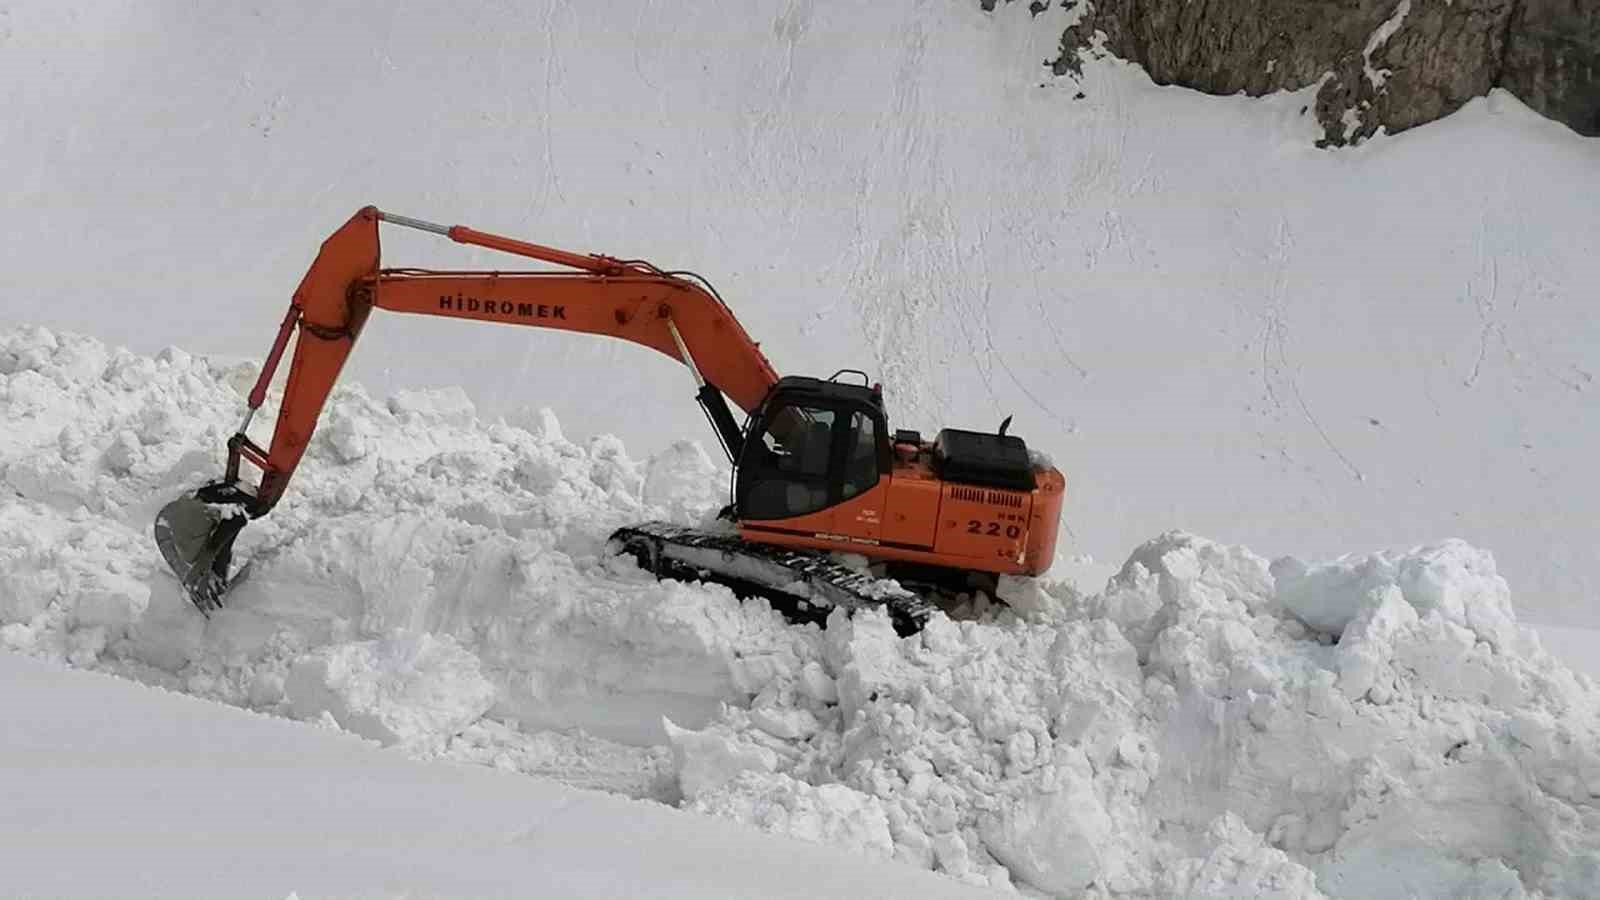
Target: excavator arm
<point>668,312</point>
<point>674,313</point>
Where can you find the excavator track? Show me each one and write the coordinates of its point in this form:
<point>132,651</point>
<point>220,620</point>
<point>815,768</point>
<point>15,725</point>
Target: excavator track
<point>803,585</point>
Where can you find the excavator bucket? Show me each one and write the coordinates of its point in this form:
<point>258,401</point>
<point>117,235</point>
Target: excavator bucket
<point>196,534</point>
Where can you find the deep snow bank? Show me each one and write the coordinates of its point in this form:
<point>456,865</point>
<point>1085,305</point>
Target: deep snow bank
<point>1210,725</point>
<point>407,517</point>
<point>109,794</point>
<point>1185,733</point>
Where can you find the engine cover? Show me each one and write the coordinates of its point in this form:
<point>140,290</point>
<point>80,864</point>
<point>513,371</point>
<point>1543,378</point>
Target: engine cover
<point>975,457</point>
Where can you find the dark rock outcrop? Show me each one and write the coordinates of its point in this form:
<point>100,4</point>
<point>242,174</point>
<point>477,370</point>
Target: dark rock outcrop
<point>1552,60</point>
<point>1381,63</point>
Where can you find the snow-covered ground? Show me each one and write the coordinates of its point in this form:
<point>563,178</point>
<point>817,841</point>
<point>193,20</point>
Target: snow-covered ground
<point>1211,724</point>
<point>1209,324</point>
<point>111,789</point>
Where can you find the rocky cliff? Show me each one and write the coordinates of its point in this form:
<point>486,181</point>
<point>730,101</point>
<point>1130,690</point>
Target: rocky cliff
<point>1387,64</point>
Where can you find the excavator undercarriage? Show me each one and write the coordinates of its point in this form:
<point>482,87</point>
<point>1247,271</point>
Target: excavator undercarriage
<point>804,585</point>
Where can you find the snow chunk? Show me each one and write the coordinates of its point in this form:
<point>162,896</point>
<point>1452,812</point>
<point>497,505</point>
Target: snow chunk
<point>1052,835</point>
<point>1180,576</point>
<point>346,434</point>
<point>1367,647</point>
<point>26,586</point>
<point>864,651</point>
<point>26,348</point>
<point>541,423</point>
<point>168,635</point>
<point>414,691</point>
<point>684,482</point>
<point>709,759</point>
<point>448,406</point>
<point>829,814</point>
<point>110,601</point>
<point>1240,864</point>
<point>817,684</point>
<point>1453,578</point>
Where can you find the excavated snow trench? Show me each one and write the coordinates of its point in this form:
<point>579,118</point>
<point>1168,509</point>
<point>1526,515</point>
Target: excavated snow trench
<point>1210,725</point>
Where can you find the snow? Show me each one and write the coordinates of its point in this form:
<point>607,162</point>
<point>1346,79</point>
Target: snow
<point>826,814</point>
<point>112,789</point>
<point>1204,321</point>
<point>1211,723</point>
<point>1207,324</point>
<point>1221,738</point>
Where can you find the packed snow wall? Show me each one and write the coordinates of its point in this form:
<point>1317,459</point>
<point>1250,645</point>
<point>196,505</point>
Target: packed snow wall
<point>409,517</point>
<point>1211,724</point>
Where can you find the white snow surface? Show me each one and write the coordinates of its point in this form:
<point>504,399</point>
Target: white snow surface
<point>112,789</point>
<point>1211,724</point>
<point>1206,322</point>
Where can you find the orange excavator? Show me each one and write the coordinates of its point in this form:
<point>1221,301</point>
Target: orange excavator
<point>817,472</point>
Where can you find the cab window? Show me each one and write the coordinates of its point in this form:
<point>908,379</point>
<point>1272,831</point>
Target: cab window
<point>861,459</point>
<point>786,473</point>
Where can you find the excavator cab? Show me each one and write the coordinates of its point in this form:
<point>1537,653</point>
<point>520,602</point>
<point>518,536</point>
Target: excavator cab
<point>811,445</point>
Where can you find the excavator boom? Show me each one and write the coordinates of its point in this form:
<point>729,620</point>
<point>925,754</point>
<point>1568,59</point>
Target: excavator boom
<point>668,312</point>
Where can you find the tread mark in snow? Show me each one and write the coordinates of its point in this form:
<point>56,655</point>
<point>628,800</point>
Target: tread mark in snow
<point>1274,343</point>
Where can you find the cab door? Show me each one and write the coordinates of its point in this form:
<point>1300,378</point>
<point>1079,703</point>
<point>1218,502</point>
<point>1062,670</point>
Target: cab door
<point>815,469</point>
<point>863,491</point>
<point>786,471</point>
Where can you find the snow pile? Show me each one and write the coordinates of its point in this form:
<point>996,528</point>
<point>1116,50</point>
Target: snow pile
<point>1209,725</point>
<point>409,521</point>
<point>1186,732</point>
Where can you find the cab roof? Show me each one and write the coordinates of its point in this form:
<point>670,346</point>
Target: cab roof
<point>802,388</point>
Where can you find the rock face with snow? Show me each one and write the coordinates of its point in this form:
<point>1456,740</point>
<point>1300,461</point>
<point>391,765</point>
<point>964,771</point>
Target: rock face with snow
<point>1552,60</point>
<point>1211,724</point>
<point>1382,63</point>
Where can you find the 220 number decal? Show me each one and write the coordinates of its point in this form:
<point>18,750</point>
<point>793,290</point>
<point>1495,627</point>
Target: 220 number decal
<point>993,529</point>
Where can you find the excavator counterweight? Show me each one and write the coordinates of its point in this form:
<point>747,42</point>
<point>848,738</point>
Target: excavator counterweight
<point>817,470</point>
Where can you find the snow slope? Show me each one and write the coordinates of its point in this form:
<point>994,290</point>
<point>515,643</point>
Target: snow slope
<point>1211,724</point>
<point>1573,646</point>
<point>116,790</point>
<point>1207,323</point>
